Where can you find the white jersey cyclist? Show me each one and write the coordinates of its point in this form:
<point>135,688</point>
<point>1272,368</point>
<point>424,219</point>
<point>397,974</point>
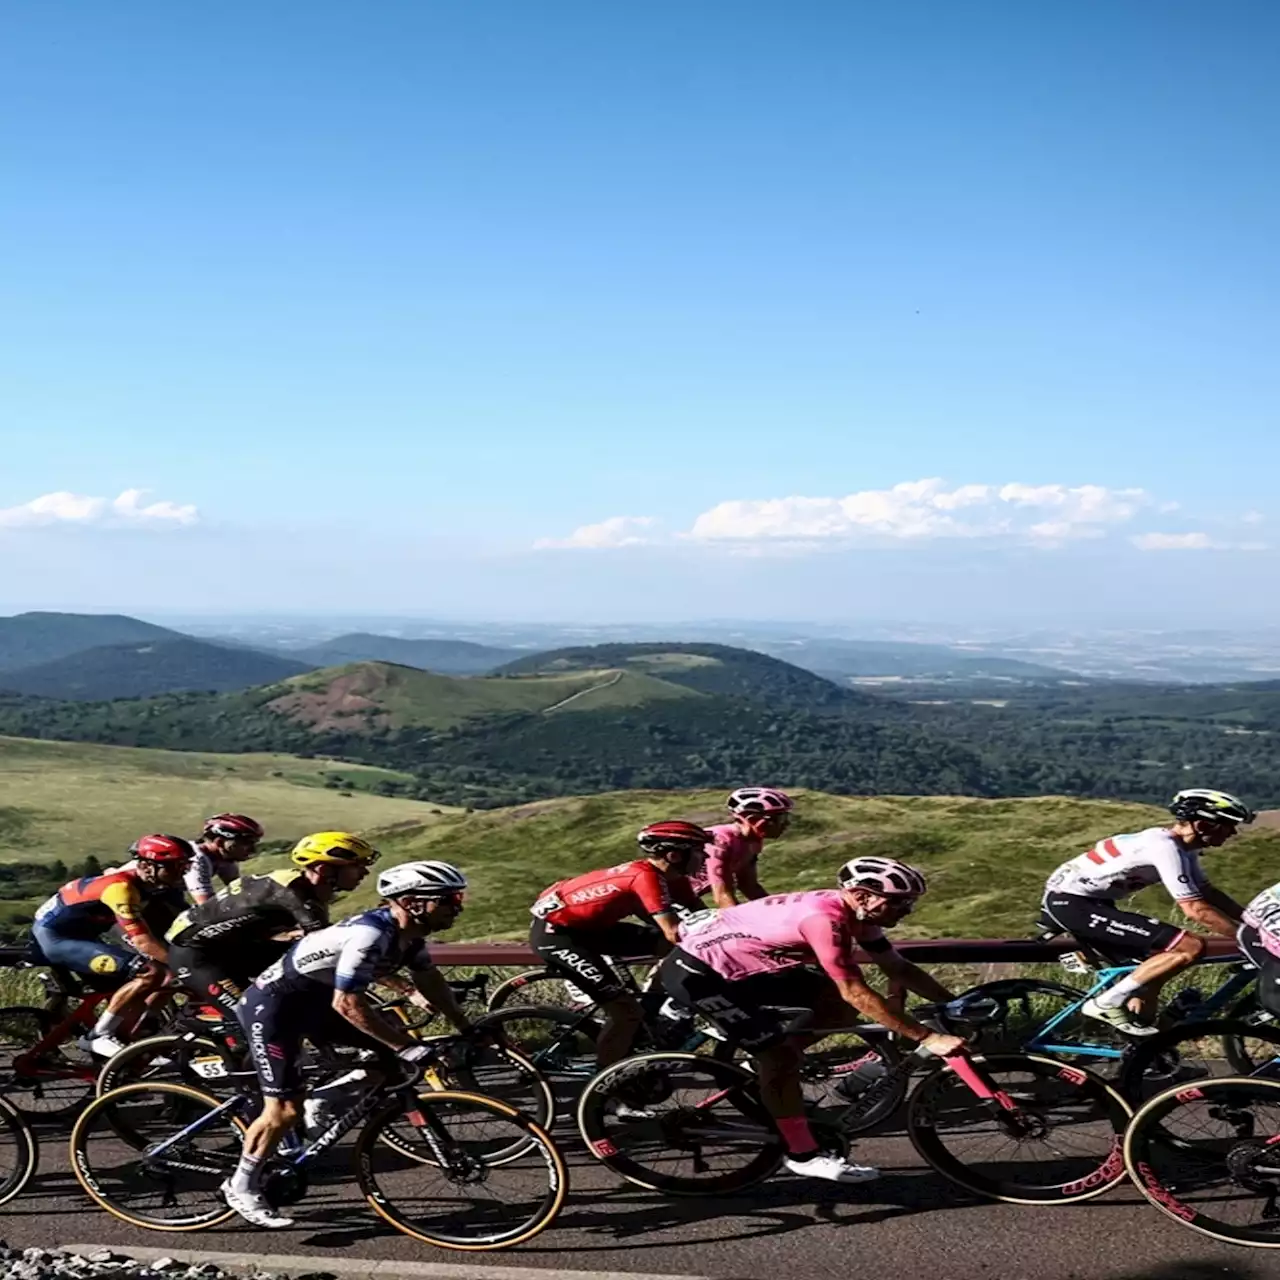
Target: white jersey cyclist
<point>1121,865</point>
<point>205,869</point>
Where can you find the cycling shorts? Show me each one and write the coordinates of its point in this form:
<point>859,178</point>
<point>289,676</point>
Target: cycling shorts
<point>104,965</point>
<point>276,1023</point>
<point>1098,921</point>
<point>1251,944</point>
<point>209,977</point>
<point>579,954</point>
<point>754,1011</point>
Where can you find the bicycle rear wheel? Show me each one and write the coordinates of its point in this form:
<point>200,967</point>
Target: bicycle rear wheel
<point>560,1045</point>
<point>1207,1156</point>
<point>19,1152</point>
<point>49,1087</point>
<point>1191,1052</point>
<point>703,1129</point>
<point>186,1058</point>
<point>449,1192</point>
<point>121,1154</point>
<point>543,987</point>
<point>1052,1134</point>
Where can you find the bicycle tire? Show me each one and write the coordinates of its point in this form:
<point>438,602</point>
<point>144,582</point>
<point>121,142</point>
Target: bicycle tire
<point>543,987</point>
<point>16,1171</point>
<point>1088,1175</point>
<point>54,1097</point>
<point>1149,1064</point>
<point>1150,1133</point>
<point>196,1060</point>
<point>750,1131</point>
<point>1026,1004</point>
<point>476,1231</point>
<point>558,1044</point>
<point>100,1112</point>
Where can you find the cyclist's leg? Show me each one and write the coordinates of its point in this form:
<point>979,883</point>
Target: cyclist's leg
<point>577,955</point>
<point>105,966</point>
<point>206,976</point>
<point>1268,963</point>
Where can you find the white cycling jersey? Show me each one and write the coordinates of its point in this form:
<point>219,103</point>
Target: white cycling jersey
<point>1263,914</point>
<point>198,879</point>
<point>1120,865</point>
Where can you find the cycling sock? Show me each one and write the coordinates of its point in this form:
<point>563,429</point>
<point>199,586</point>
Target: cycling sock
<point>108,1024</point>
<point>1114,996</point>
<point>247,1175</point>
<point>797,1136</point>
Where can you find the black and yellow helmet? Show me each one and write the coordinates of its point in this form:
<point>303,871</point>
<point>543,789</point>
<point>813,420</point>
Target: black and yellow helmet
<point>1203,804</point>
<point>333,848</point>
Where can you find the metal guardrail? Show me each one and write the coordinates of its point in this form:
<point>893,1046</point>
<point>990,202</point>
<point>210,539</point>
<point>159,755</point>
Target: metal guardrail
<point>920,950</point>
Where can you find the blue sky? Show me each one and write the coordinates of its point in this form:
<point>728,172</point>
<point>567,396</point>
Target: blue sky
<point>598,311</point>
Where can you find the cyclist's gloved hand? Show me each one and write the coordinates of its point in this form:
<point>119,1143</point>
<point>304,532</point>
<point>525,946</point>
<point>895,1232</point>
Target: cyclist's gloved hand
<point>941,1045</point>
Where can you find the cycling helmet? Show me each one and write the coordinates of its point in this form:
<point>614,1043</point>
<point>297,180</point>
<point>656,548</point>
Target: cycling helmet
<point>661,839</point>
<point>334,848</point>
<point>759,800</point>
<point>1203,804</point>
<point>421,880</point>
<point>882,875</point>
<point>162,849</point>
<point>227,826</point>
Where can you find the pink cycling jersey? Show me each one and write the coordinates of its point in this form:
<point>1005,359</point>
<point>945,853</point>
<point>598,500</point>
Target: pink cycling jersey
<point>721,861</point>
<point>780,932</point>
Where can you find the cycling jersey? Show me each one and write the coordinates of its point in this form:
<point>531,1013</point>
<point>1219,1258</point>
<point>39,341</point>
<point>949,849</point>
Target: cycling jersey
<point>602,898</point>
<point>1263,914</point>
<point>349,956</point>
<point>720,862</point>
<point>781,931</point>
<point>205,868</point>
<point>88,907</point>
<point>250,910</point>
<point>1120,865</point>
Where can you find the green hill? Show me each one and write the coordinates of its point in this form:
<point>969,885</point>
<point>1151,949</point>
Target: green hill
<point>448,657</point>
<point>30,638</point>
<point>841,659</point>
<point>986,860</point>
<point>143,670</point>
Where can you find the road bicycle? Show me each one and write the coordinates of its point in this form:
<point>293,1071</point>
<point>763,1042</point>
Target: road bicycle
<point>438,1166</point>
<point>1015,1127</point>
<point>19,1152</point>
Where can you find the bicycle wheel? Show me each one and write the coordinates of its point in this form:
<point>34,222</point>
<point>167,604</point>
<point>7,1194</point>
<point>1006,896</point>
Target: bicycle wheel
<point>1195,1051</point>
<point>704,1130</point>
<point>1051,1135</point>
<point>55,1084</point>
<point>559,1044</point>
<point>187,1058</point>
<point>121,1154</point>
<point>1244,1051</point>
<point>1206,1155</point>
<point>1026,1004</point>
<point>542,987</point>
<point>19,1152</point>
<point>449,1193</point>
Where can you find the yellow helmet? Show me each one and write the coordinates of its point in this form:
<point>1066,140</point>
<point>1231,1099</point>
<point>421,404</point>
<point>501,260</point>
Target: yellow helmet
<point>335,848</point>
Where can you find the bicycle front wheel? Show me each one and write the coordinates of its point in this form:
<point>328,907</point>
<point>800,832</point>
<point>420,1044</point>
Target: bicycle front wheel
<point>1207,1156</point>
<point>127,1155</point>
<point>446,1190</point>
<point>1051,1135</point>
<point>690,1126</point>
<point>186,1058</point>
<point>19,1152</point>
<point>46,1086</point>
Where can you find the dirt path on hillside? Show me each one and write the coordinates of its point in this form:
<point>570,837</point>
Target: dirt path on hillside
<point>582,693</point>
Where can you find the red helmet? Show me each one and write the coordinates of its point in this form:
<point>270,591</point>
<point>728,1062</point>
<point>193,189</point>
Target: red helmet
<point>228,826</point>
<point>163,849</point>
<point>660,839</point>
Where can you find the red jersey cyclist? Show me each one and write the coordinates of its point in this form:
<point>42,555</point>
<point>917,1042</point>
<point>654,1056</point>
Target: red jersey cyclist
<point>726,867</point>
<point>578,922</point>
<point>69,929</point>
<point>798,950</point>
<point>228,839</point>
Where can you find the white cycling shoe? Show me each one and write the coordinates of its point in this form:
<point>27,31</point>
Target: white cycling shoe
<point>830,1169</point>
<point>252,1206</point>
<point>1118,1018</point>
<point>100,1046</point>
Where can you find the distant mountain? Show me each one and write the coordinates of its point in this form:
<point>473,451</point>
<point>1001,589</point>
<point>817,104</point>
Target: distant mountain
<point>449,657</point>
<point>30,638</point>
<point>845,659</point>
<point>147,669</point>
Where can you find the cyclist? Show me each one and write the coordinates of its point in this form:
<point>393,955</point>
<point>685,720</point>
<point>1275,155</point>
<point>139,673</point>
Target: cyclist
<point>1259,939</point>
<point>578,922</point>
<point>798,950</point>
<point>318,991</point>
<point>69,929</point>
<point>1081,895</point>
<point>217,948</point>
<point>727,865</point>
<point>227,840</point>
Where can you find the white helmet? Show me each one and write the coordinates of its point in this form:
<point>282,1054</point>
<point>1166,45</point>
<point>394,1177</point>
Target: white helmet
<point>884,876</point>
<point>759,800</point>
<point>421,880</point>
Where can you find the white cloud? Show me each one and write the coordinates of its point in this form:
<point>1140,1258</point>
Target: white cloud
<point>1173,542</point>
<point>926,509</point>
<point>617,531</point>
<point>77,509</point>
<point>1253,517</point>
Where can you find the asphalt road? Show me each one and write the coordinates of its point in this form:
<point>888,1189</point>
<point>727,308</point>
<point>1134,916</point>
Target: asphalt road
<point>909,1224</point>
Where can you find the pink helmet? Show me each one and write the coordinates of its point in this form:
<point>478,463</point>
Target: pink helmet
<point>759,800</point>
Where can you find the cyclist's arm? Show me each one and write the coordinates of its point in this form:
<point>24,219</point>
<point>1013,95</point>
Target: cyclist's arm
<point>1197,899</point>
<point>1202,911</point>
<point>749,882</point>
<point>198,880</point>
<point>871,1004</point>
<point>355,1007</point>
<point>654,892</point>
<point>898,968</point>
<point>435,986</point>
<point>125,903</point>
<point>354,972</point>
<point>1224,902</point>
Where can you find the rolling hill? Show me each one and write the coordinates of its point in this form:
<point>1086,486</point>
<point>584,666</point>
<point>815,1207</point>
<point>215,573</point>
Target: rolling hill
<point>841,660</point>
<point>448,657</point>
<point>145,669</point>
<point>30,638</point>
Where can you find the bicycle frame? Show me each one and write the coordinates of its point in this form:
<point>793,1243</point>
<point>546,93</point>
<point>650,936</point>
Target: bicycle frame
<point>82,1016</point>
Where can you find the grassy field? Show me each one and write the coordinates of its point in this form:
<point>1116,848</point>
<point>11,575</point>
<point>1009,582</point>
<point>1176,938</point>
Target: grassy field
<point>987,860</point>
<point>64,799</point>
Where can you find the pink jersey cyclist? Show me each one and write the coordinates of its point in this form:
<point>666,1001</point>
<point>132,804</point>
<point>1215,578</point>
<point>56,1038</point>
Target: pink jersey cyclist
<point>731,852</point>
<point>727,867</point>
<point>781,932</point>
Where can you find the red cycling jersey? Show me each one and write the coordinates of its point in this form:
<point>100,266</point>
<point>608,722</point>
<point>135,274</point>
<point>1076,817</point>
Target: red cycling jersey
<point>602,898</point>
